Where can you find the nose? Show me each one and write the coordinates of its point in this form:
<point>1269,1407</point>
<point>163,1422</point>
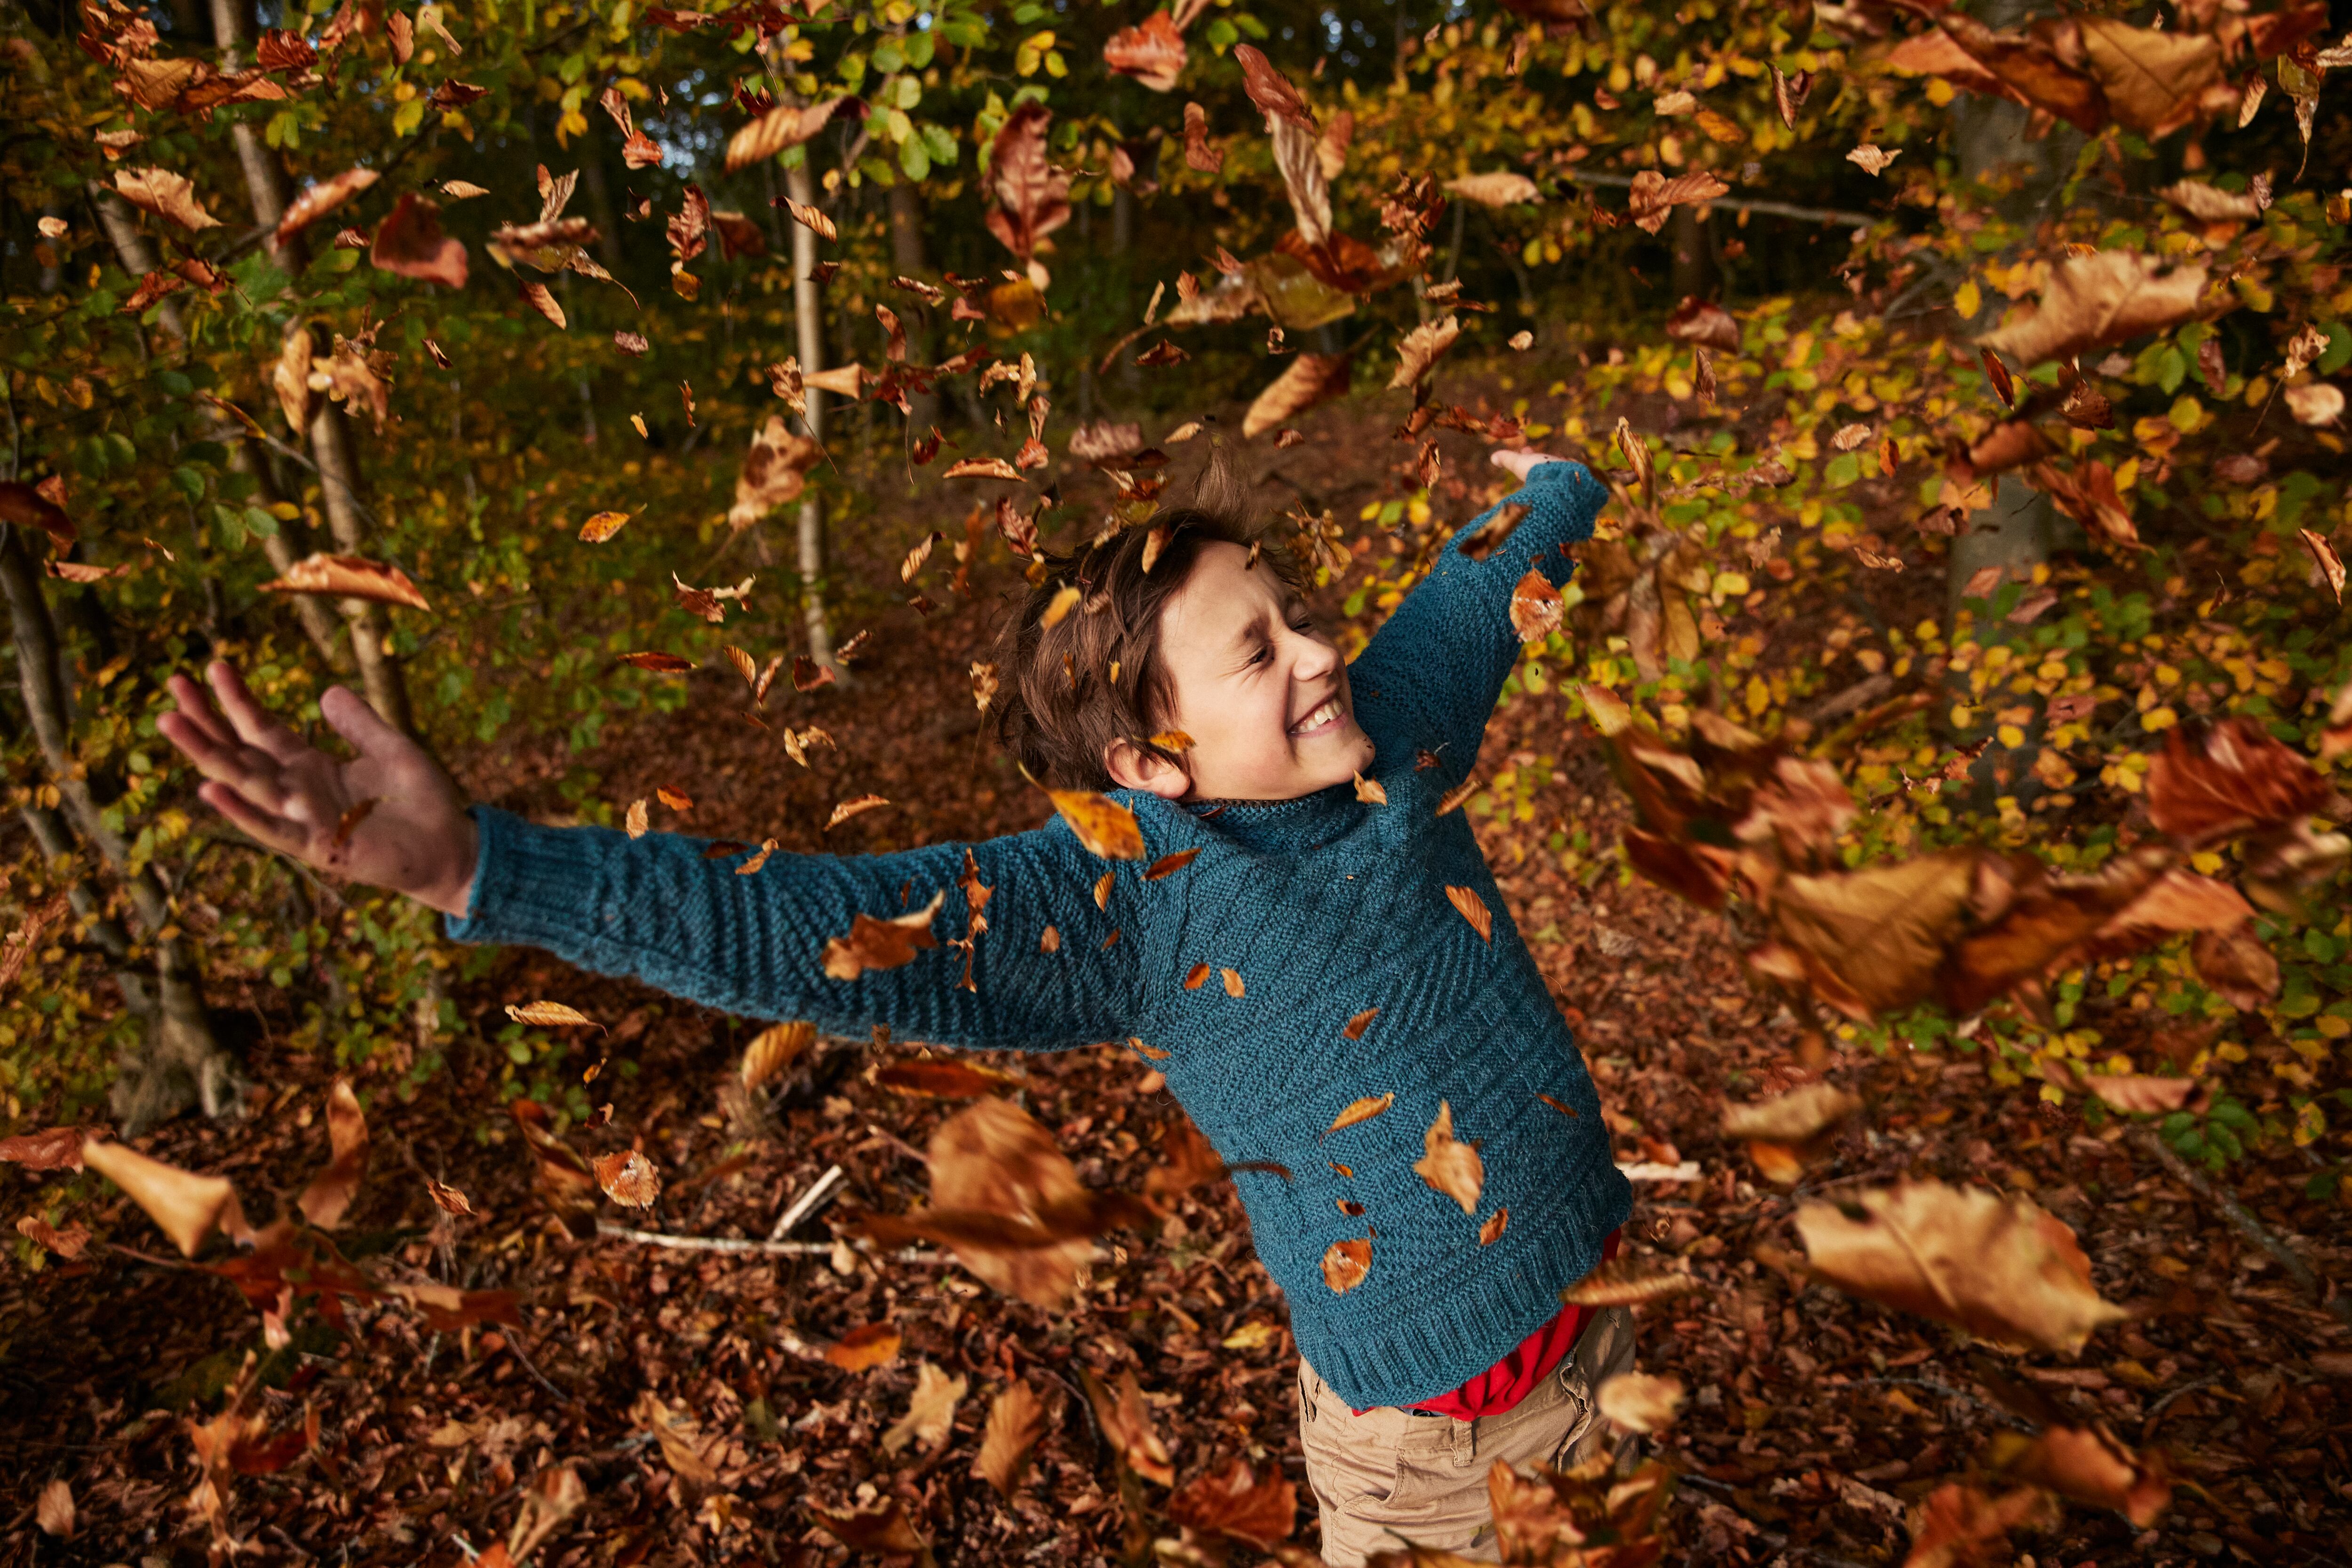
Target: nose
<point>1312,659</point>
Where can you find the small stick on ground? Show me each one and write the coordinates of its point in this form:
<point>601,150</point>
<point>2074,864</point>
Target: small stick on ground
<point>2241,1219</point>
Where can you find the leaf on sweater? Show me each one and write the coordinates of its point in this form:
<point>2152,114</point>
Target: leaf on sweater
<point>1196,976</point>
<point>1356,1026</point>
<point>1345,1264</point>
<point>628,1178</point>
<point>1103,884</point>
<point>1473,909</point>
<point>1233,987</point>
<point>1998,1267</point>
<point>1104,826</point>
<point>1492,1231</point>
<point>1450,1166</point>
<point>1362,1110</point>
<point>1371,791</point>
<point>1169,864</point>
<point>1455,796</point>
<point>882,944</point>
<point>544,1014</point>
<point>1016,1419</point>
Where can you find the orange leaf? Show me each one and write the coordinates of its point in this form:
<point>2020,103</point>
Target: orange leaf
<point>1473,909</point>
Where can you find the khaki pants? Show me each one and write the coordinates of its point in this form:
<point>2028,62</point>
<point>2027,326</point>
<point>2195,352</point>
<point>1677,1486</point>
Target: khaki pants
<point>1390,1475</point>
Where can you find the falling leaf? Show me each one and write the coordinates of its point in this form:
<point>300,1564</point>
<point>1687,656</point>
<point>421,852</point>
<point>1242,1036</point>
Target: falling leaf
<point>867,1345</point>
<point>852,808</point>
<point>1371,791</point>
<point>981,468</point>
<point>1473,909</point>
<point>882,944</point>
<point>1492,1230</point>
<point>660,664</point>
<point>1345,1264</point>
<point>1640,1401</point>
<point>1789,94</point>
<point>785,126</point>
<point>1873,160</point>
<point>54,1510</point>
<point>1792,1118</point>
<point>328,1195</point>
<point>2090,302</point>
<point>51,1149</point>
<point>1653,196</point>
<point>320,199</point>
<point>67,1243</point>
<point>630,344</point>
<point>186,1206</point>
<point>1703,321</point>
<point>2087,1465</point>
<point>536,296</point>
<point>1520,342</point>
<point>165,194</point>
<point>543,1014</point>
<point>601,527</point>
<point>2324,555</point>
<point>628,1178</point>
<point>1016,1419</point>
<point>1031,196</point>
<point>1151,54</point>
<point>1238,1506</point>
<point>1104,826</point>
<point>1624,1283</point>
<point>883,1531</point>
<point>448,1198</point>
<point>1500,189</point>
<point>1307,380</point>
<point>1958,1525</point>
<point>347,576</point>
<point>2315,403</point>
<point>1450,1166</point>
<point>409,241</point>
<point>930,1411</point>
<point>1198,976</point>
<point>1362,1110</point>
<point>1421,349</point>
<point>2228,779</point>
<point>1160,354</point>
<point>775,1049</point>
<point>2000,1268</point>
<point>1169,864</point>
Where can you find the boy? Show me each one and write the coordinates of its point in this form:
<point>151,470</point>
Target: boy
<point>1391,1042</point>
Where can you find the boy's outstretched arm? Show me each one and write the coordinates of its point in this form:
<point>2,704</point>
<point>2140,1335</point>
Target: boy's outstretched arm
<point>1447,649</point>
<point>776,943</point>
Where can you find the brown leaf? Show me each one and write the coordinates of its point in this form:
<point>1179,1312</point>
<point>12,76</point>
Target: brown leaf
<point>1872,159</point>
<point>1151,54</point>
<point>785,126</point>
<point>883,1531</point>
<point>1198,153</point>
<point>51,1149</point>
<point>1307,380</point>
<point>67,1244</point>
<point>981,468</point>
<point>2315,404</point>
<point>1789,94</point>
<point>1641,1402</point>
<point>186,1206</point>
<point>1450,1166</point>
<point>2227,779</point>
<point>1653,196</point>
<point>1536,610</point>
<point>602,525</point>
<point>661,663</point>
<point>2152,80</point>
<point>930,1411</point>
<point>1502,188</point>
<point>1271,91</point>
<point>1356,1026</point>
<point>1238,1505</point>
<point>349,577</point>
<point>1636,452</point>
<point>1016,1419</point>
<point>1421,348</point>
<point>328,1196</point>
<point>2098,300</point>
<point>1792,1118</point>
<point>1624,1283</point>
<point>554,1495</point>
<point>1126,1424</point>
<point>1362,1110</point>
<point>1960,1527</point>
<point>548,1014</point>
<point>166,194</point>
<point>682,1447</point>
<point>54,1510</point>
<point>775,1049</point>
<point>775,470</point>
<point>1031,196</point>
<point>1998,1268</point>
<point>409,241</point>
<point>536,296</point>
<point>1703,321</point>
<point>882,944</point>
<point>1169,864</point>
<point>1104,826</point>
<point>1473,909</point>
<point>1233,980</point>
<point>1371,791</point>
<point>1492,1231</point>
<point>2235,965</point>
<point>993,1158</point>
<point>2087,1465</point>
<point>628,1178</point>
<point>853,807</point>
<point>950,1078</point>
<point>321,199</point>
<point>448,1198</point>
<point>1871,940</point>
<point>1345,1264</point>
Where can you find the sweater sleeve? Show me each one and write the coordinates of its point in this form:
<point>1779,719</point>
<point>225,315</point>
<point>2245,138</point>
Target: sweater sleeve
<point>1445,653</point>
<point>655,909</point>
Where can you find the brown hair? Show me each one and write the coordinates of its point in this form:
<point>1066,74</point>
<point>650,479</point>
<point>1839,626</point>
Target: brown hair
<point>1096,676</point>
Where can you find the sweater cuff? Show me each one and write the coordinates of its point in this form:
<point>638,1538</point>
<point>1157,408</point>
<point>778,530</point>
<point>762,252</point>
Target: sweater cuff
<point>529,881</point>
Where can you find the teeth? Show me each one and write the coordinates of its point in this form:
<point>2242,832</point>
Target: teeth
<point>1323,715</point>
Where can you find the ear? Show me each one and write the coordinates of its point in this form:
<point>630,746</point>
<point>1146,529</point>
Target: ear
<point>1132,767</point>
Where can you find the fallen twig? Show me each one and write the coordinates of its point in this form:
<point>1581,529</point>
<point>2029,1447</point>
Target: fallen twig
<point>2241,1219</point>
<point>769,1248</point>
<point>820,1191</point>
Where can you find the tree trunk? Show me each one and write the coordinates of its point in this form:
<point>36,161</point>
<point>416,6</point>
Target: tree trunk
<point>1693,274</point>
<point>808,317</point>
<point>906,253</point>
<point>182,1064</point>
<point>339,492</point>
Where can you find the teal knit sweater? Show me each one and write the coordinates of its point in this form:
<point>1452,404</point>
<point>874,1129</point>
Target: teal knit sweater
<point>1326,907</point>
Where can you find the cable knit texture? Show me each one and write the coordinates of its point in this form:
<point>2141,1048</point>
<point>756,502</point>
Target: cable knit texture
<point>1324,905</point>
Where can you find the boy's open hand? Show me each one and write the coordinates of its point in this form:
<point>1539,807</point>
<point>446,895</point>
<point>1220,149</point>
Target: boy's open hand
<point>413,836</point>
<point>1518,463</point>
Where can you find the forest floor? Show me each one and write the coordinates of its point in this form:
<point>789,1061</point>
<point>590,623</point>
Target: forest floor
<point>1817,1422</point>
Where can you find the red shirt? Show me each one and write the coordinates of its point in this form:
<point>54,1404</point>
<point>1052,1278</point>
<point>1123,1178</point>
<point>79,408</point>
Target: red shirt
<point>1518,1374</point>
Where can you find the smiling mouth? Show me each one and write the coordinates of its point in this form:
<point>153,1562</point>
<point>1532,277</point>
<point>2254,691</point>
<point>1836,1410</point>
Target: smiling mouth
<point>1325,717</point>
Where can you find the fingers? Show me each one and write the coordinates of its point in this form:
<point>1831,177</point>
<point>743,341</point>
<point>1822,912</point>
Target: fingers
<point>196,709</point>
<point>265,826</point>
<point>248,773</point>
<point>1519,462</point>
<point>253,725</point>
<point>362,725</point>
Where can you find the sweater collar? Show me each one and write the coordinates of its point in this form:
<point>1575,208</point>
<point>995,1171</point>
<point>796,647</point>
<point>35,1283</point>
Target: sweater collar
<point>1303,823</point>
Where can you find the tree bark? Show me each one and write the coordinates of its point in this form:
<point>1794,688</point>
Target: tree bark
<point>906,253</point>
<point>1693,274</point>
<point>808,317</point>
<point>182,1064</point>
<point>338,491</point>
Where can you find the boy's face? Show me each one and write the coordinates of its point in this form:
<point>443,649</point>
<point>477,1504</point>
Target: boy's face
<point>1262,692</point>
